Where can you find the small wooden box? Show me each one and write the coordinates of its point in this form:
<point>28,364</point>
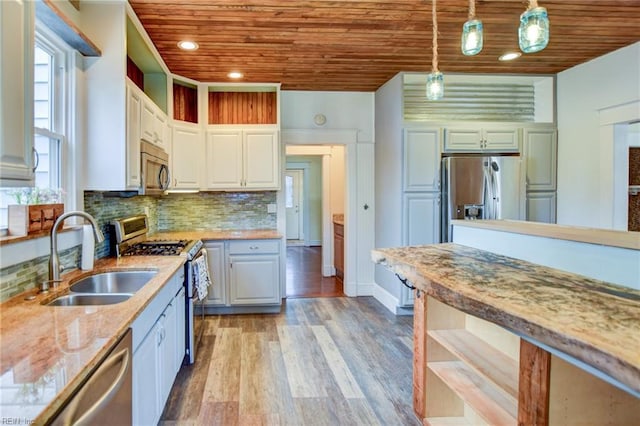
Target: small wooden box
<point>27,219</point>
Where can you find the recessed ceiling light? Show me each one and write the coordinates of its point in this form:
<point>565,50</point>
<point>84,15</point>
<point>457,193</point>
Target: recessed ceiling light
<point>509,56</point>
<point>235,74</point>
<point>188,45</point>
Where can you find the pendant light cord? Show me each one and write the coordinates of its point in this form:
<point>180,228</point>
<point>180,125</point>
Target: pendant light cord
<point>434,63</point>
<point>533,4</point>
<point>472,9</point>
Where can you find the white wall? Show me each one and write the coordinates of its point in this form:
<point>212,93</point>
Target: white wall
<point>582,92</point>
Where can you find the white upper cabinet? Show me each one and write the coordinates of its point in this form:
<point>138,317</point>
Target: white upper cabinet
<point>224,160</point>
<point>134,105</point>
<point>153,124</point>
<point>110,152</point>
<point>242,159</point>
<point>261,159</point>
<point>187,149</point>
<point>540,150</point>
<point>421,160</point>
<point>16,93</point>
<point>482,139</point>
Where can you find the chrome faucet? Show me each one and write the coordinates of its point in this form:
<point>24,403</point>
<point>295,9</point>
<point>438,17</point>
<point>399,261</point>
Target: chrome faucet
<point>54,261</point>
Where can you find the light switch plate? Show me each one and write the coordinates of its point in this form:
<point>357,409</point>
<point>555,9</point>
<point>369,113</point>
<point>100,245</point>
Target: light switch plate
<point>271,208</point>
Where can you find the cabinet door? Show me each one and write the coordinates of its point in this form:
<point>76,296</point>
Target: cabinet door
<point>540,148</point>
<point>261,160</point>
<point>146,380</point>
<point>462,140</point>
<point>217,295</point>
<point>180,347</point>
<point>420,225</point>
<point>254,280</point>
<point>168,350</point>
<point>16,86</point>
<point>148,120</point>
<point>160,128</point>
<point>502,140</point>
<point>421,160</point>
<point>338,249</point>
<point>224,160</point>
<point>134,104</point>
<point>541,207</point>
<point>186,157</point>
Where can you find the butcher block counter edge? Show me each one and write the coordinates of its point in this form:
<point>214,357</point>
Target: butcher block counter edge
<point>608,237</point>
<point>34,335</point>
<point>592,323</point>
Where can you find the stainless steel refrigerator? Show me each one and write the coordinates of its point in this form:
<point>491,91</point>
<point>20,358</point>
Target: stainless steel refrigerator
<point>481,187</point>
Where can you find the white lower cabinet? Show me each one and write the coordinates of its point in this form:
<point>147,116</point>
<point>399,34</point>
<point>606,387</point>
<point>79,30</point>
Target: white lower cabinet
<point>244,273</point>
<point>541,207</point>
<point>420,225</point>
<point>157,351</point>
<point>217,295</point>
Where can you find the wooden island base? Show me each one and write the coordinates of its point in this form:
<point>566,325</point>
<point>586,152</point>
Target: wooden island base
<point>468,371</point>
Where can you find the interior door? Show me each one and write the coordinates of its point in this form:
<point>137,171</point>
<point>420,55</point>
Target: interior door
<point>293,204</point>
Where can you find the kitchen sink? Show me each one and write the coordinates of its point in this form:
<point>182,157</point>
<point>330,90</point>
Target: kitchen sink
<point>89,299</point>
<point>112,282</point>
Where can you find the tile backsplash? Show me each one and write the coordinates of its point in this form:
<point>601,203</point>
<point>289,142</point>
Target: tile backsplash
<point>180,212</point>
<point>24,276</point>
<point>173,212</point>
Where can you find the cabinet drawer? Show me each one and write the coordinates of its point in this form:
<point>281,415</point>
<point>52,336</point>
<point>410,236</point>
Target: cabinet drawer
<point>338,229</point>
<point>254,247</point>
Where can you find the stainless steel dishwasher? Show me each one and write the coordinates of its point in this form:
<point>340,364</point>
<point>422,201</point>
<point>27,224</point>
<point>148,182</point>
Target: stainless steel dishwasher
<point>105,398</point>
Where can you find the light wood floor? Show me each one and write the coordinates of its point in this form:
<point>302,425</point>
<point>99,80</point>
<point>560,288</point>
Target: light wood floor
<point>325,361</point>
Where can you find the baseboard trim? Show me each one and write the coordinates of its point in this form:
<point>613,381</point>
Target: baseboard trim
<point>387,299</point>
<point>365,289</point>
<point>328,271</point>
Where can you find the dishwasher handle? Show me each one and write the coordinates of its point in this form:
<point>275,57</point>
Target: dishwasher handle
<point>121,357</point>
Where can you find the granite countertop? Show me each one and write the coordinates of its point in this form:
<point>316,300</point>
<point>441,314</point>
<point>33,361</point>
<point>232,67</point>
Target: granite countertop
<point>46,352</point>
<point>591,321</point>
<point>231,234</point>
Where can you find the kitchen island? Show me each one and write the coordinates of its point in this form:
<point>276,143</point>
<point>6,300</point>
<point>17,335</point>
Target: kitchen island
<point>47,353</point>
<point>505,341</point>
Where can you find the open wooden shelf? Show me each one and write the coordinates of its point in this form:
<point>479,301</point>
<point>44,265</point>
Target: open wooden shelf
<point>483,358</point>
<point>481,395</point>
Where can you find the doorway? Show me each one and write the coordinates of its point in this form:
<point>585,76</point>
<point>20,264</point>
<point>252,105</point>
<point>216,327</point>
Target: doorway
<point>313,179</point>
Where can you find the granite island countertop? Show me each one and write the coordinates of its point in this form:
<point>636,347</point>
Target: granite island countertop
<point>47,352</point>
<point>591,321</point>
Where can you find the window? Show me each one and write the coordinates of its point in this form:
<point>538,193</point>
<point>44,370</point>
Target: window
<point>50,87</point>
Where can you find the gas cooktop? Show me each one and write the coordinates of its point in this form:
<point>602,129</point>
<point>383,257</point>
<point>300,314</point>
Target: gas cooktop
<point>156,248</point>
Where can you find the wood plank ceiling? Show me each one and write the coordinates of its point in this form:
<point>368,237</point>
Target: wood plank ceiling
<point>357,45</point>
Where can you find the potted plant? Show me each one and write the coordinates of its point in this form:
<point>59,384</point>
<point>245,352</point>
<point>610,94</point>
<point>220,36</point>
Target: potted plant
<point>36,209</point>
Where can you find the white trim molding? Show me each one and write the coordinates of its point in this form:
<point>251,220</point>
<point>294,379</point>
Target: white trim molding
<point>316,136</point>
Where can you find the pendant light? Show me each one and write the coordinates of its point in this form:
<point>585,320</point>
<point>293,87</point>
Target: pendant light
<point>435,80</point>
<point>472,33</point>
<point>533,34</point>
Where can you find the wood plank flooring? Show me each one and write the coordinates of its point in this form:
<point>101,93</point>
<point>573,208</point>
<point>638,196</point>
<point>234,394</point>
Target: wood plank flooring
<point>304,274</point>
<point>323,361</point>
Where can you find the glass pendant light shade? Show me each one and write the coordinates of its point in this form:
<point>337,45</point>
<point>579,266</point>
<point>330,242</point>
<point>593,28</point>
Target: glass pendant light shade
<point>435,86</point>
<point>472,37</point>
<point>533,33</point>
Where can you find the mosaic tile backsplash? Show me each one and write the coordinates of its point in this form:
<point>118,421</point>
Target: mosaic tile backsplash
<point>174,212</point>
<point>634,200</point>
<point>27,275</point>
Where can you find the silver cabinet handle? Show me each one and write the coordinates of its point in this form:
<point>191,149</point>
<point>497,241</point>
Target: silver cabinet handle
<point>121,357</point>
<point>36,159</point>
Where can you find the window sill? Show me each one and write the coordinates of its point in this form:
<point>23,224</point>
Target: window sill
<point>12,239</point>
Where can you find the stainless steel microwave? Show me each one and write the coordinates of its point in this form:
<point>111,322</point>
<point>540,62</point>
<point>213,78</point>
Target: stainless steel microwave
<point>154,169</point>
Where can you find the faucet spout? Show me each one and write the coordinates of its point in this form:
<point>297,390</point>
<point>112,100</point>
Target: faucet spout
<point>54,260</point>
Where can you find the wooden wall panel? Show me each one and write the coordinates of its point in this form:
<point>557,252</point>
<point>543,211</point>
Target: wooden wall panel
<point>533,395</point>
<point>185,103</point>
<point>242,108</point>
<point>135,74</point>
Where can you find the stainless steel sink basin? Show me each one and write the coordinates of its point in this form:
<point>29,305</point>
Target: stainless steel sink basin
<point>113,282</point>
<point>89,299</point>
